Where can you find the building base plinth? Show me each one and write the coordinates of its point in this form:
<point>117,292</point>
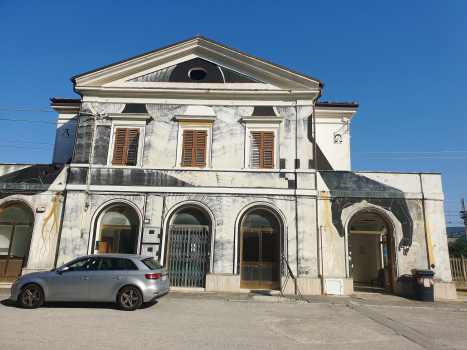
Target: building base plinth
<point>223,283</point>
<point>445,290</point>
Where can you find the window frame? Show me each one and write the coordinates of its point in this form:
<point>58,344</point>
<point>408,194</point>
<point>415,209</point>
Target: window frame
<point>117,124</point>
<point>262,149</point>
<point>262,124</point>
<point>194,149</point>
<point>195,126</point>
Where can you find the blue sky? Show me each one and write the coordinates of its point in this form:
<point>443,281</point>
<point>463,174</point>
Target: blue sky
<point>404,62</point>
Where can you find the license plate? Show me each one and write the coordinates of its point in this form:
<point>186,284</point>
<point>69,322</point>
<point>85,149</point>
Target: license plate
<point>165,277</point>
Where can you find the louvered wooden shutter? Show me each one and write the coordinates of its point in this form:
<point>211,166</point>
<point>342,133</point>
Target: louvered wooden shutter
<point>120,147</point>
<point>256,150</point>
<point>188,147</point>
<point>200,148</point>
<point>262,150</point>
<point>133,142</point>
<point>126,146</point>
<point>194,148</point>
<point>268,150</point>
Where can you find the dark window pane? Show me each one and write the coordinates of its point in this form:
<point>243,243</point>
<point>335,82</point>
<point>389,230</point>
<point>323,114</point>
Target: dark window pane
<point>5,237</point>
<point>16,213</point>
<point>190,217</point>
<point>269,273</point>
<point>127,242</point>
<point>250,273</point>
<point>120,215</point>
<point>270,247</point>
<point>130,265</point>
<point>260,219</point>
<point>251,246</point>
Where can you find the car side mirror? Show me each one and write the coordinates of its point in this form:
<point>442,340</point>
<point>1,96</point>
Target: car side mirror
<point>63,269</point>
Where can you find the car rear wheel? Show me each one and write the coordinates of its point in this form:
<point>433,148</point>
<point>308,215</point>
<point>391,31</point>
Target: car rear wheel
<point>129,298</point>
<point>31,297</point>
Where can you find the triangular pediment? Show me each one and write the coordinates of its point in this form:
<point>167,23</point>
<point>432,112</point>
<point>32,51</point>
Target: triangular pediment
<point>197,60</point>
<point>196,70</point>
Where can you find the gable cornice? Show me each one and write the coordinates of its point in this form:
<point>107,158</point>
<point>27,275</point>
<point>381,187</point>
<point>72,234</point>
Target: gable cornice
<point>204,48</point>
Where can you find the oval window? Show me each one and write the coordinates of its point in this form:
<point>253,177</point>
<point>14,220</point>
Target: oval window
<point>197,73</point>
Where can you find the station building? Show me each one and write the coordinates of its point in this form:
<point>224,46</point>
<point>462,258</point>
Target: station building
<point>231,171</point>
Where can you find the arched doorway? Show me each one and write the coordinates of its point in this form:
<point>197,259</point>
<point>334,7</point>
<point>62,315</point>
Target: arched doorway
<point>260,259</point>
<point>371,253</point>
<point>188,248</point>
<point>16,222</point>
<point>118,231</point>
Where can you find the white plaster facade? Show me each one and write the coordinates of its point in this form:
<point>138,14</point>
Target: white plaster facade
<point>310,171</point>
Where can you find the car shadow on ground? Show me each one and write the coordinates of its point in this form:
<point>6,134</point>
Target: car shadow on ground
<point>76,305</point>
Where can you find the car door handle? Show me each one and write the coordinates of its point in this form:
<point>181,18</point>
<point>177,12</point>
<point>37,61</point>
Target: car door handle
<point>117,278</point>
<point>84,278</point>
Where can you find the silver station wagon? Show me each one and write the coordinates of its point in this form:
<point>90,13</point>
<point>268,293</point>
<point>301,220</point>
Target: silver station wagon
<point>126,279</point>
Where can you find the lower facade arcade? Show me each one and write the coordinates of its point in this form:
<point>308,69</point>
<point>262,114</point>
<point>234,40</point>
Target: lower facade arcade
<point>333,244</point>
<point>236,242</point>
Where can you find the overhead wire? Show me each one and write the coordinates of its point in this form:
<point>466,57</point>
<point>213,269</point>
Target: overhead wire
<point>49,149</point>
<point>28,121</point>
<point>409,152</point>
<point>36,143</point>
<point>27,110</point>
<point>414,158</point>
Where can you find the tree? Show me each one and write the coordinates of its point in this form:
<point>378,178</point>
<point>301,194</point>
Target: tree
<point>456,250</point>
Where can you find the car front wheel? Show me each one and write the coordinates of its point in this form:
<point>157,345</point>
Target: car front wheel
<point>31,297</point>
<point>129,298</point>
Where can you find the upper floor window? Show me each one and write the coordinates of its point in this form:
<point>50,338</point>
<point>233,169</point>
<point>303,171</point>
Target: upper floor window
<point>262,141</point>
<point>195,137</point>
<point>262,150</point>
<point>126,146</point>
<point>194,148</point>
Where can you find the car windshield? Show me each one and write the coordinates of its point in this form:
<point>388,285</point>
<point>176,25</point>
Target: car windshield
<point>151,263</point>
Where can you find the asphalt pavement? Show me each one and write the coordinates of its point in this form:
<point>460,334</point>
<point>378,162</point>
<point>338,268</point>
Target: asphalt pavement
<point>239,321</point>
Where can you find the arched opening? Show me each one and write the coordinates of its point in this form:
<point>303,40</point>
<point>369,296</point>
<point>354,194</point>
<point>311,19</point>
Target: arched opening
<point>260,250</point>
<point>118,231</point>
<point>371,253</point>
<point>16,222</point>
<point>188,248</point>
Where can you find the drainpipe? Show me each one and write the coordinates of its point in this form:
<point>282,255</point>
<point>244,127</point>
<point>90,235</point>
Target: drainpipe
<point>295,195</point>
<point>88,182</point>
<point>424,222</point>
<point>318,228</point>
<point>320,250</point>
<point>59,238</point>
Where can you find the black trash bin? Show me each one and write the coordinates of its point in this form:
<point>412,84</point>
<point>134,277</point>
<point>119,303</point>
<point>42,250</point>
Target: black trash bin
<point>424,285</point>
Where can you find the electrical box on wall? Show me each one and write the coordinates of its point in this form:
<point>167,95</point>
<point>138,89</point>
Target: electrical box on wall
<point>334,286</point>
<point>150,250</point>
<point>151,235</point>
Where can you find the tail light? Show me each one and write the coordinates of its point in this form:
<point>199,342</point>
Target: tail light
<point>153,276</point>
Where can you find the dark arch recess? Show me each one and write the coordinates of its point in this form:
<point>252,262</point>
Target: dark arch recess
<point>239,233</point>
<point>188,207</point>
<point>102,212</point>
<point>389,225</point>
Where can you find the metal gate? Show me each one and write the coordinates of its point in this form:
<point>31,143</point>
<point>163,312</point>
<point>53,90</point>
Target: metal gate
<point>188,255</point>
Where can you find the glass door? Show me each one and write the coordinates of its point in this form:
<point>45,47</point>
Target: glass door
<point>260,260</point>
